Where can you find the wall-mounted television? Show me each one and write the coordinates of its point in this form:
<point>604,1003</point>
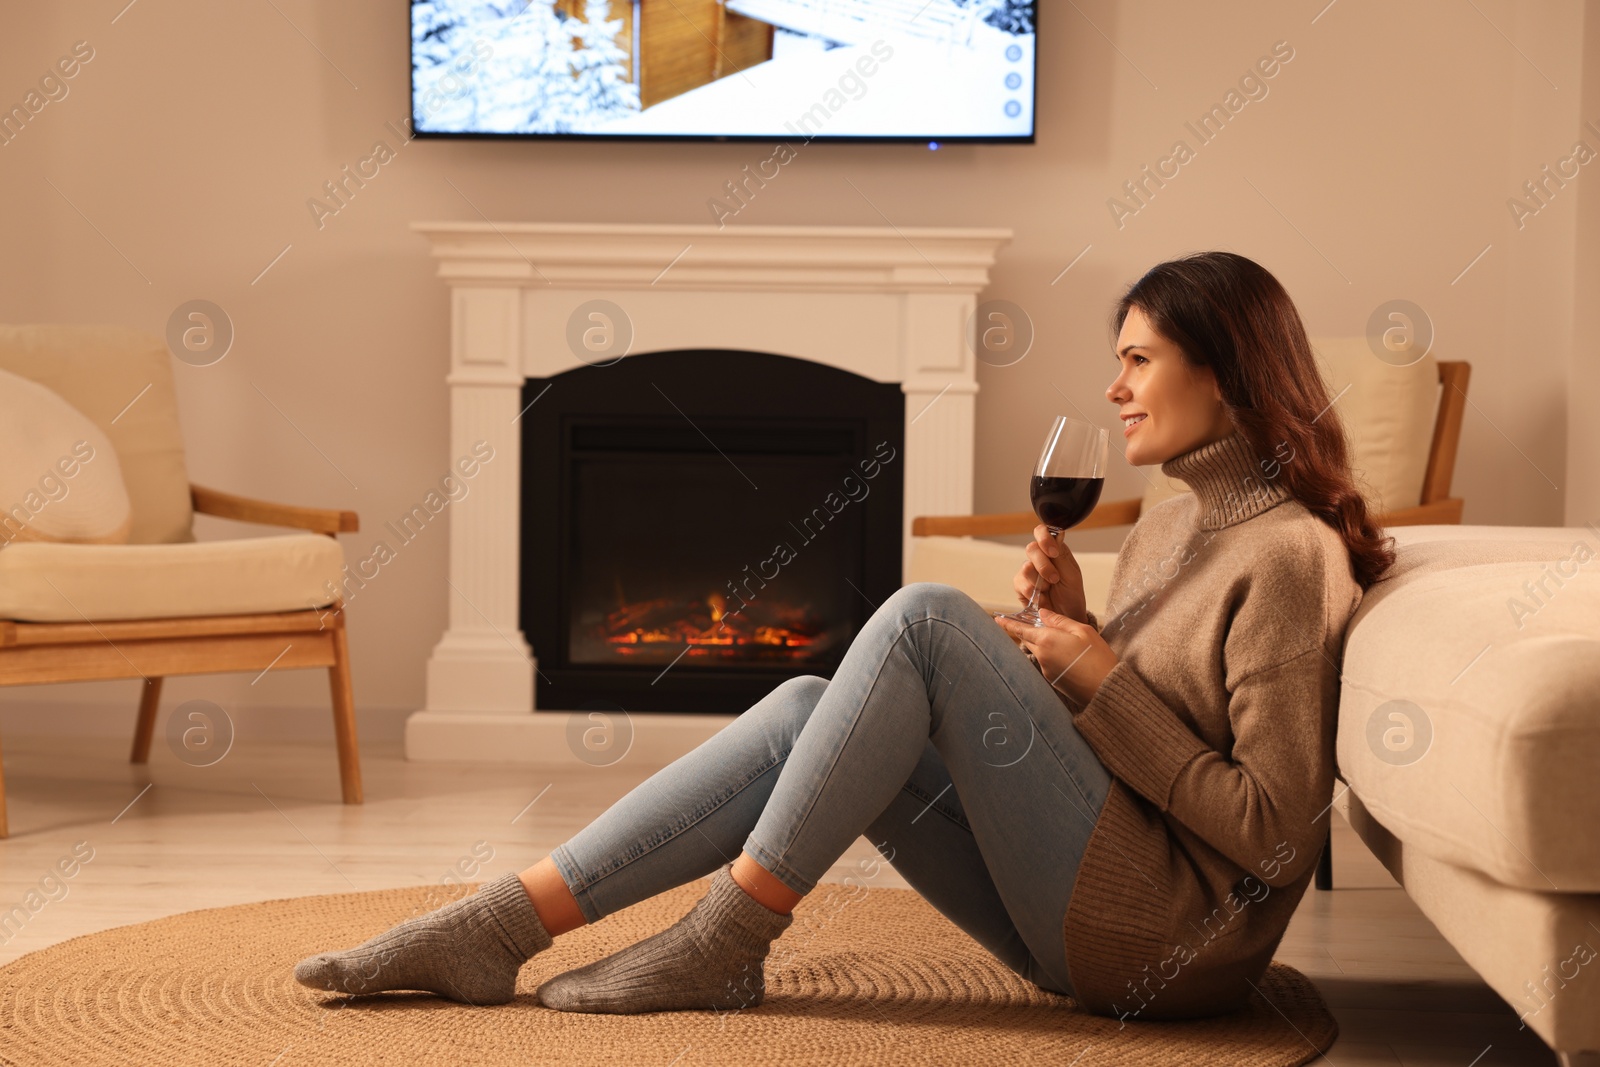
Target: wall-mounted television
<point>725,70</point>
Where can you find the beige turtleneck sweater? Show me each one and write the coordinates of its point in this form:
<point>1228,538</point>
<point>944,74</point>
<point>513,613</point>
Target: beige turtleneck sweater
<point>1227,611</point>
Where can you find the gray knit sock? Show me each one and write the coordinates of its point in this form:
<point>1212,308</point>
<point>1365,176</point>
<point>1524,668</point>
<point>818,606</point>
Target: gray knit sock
<point>470,950</point>
<point>711,958</point>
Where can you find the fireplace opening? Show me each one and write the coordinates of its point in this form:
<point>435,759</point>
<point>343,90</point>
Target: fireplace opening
<point>714,603</point>
<point>699,526</point>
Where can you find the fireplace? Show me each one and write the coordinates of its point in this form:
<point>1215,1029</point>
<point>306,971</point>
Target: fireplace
<point>893,306</point>
<point>698,526</point>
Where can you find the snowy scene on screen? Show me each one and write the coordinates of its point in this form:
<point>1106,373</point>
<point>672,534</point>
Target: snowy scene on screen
<point>792,69</point>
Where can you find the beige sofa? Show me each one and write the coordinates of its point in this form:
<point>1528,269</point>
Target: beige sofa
<point>1469,738</point>
<point>1469,716</point>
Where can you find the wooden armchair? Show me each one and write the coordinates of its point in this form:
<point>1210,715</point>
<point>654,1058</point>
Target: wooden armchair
<point>164,604</point>
<point>36,652</point>
<point>1437,505</point>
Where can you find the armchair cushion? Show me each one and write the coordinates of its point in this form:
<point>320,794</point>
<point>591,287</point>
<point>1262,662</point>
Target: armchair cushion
<point>41,582</point>
<point>1505,679</point>
<point>59,476</point>
<point>984,569</point>
<point>122,379</point>
<point>1388,416</point>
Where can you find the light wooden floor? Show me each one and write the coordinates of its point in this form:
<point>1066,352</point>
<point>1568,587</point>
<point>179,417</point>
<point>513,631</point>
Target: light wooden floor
<point>265,822</point>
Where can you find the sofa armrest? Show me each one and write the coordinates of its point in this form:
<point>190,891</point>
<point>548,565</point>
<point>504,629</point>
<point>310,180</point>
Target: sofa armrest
<point>328,521</point>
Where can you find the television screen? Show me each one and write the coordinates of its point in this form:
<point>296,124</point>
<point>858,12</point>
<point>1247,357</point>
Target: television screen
<point>825,70</point>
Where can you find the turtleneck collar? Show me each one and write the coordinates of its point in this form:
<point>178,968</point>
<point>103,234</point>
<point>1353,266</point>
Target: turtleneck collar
<point>1229,480</point>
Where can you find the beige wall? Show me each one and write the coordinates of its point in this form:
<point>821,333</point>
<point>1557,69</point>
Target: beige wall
<point>1583,429</point>
<point>1377,167</point>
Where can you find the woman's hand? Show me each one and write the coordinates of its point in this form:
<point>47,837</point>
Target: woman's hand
<point>1052,565</point>
<point>1072,655</point>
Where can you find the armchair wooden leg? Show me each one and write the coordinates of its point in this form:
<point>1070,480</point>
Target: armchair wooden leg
<point>149,700</point>
<point>1324,875</point>
<point>344,716</point>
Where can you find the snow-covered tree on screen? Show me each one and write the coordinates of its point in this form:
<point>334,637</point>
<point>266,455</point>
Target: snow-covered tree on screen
<point>519,66</point>
<point>603,89</point>
<point>444,63</point>
<point>1012,16</point>
<point>529,85</point>
<point>432,25</point>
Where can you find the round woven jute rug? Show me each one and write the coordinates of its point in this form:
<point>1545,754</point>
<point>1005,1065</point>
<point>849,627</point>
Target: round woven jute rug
<point>864,976</point>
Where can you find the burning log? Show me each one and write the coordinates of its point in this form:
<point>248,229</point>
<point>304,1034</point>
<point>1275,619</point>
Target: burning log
<point>706,623</point>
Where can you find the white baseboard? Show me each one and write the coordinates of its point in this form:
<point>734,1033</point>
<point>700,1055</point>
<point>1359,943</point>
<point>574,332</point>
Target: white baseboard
<point>540,737</point>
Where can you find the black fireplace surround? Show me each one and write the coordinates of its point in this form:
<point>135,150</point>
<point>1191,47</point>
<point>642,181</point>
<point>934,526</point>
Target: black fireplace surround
<point>698,526</point>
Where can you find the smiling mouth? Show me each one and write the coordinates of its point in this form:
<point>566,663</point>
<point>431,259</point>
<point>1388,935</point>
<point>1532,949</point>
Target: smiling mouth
<point>1129,427</point>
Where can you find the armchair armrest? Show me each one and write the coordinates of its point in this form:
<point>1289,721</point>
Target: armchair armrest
<point>1126,512</point>
<point>1447,511</point>
<point>1111,513</point>
<point>328,521</point>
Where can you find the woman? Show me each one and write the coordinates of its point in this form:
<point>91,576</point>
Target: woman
<point>1124,814</point>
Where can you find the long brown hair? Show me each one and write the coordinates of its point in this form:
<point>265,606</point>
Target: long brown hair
<point>1229,313</point>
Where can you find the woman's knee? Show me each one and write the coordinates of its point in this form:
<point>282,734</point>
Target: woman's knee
<point>804,690</point>
<point>796,698</point>
<point>782,713</point>
<point>929,600</point>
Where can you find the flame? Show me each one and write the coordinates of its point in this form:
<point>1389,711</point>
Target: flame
<point>710,629</point>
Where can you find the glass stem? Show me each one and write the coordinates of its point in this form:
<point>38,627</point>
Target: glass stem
<point>1038,586</point>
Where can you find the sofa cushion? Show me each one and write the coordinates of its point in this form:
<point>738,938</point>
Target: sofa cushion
<point>59,476</point>
<point>1469,717</point>
<point>1388,415</point>
<point>42,582</point>
<point>122,379</point>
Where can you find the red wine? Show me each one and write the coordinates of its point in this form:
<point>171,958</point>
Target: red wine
<point>1064,502</point>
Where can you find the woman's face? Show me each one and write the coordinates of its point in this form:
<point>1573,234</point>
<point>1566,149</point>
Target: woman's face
<point>1182,404</point>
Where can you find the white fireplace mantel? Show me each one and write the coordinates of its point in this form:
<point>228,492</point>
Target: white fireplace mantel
<point>891,304</point>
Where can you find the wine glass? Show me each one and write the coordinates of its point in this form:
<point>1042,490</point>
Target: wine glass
<point>1065,487</point>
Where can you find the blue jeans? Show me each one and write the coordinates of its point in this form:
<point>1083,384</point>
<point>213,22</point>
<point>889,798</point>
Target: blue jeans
<point>936,738</point>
